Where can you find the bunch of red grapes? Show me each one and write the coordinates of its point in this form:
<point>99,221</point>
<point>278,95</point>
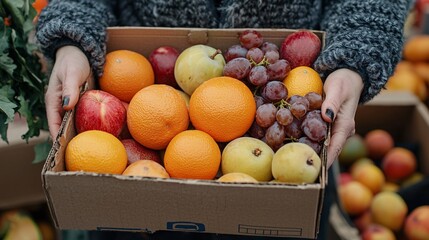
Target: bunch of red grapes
<point>280,118</point>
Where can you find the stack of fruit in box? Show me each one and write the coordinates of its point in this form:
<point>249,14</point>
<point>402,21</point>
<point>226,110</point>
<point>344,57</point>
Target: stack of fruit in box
<point>412,72</point>
<point>248,114</point>
<point>374,169</point>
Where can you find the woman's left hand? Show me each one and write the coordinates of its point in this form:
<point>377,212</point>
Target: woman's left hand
<point>342,88</point>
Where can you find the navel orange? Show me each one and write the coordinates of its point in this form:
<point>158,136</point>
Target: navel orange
<point>156,114</point>
<point>302,80</point>
<point>223,107</point>
<point>146,168</point>
<point>96,151</point>
<point>125,73</point>
<point>192,154</point>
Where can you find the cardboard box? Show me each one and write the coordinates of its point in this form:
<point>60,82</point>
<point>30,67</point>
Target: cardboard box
<point>20,181</point>
<point>407,119</point>
<point>89,201</point>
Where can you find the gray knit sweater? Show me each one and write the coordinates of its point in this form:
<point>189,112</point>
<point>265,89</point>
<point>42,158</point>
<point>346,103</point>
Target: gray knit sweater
<point>365,36</point>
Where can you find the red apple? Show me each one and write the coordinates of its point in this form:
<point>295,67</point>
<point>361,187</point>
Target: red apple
<point>163,60</point>
<point>300,48</point>
<point>399,163</point>
<point>136,151</point>
<point>100,110</point>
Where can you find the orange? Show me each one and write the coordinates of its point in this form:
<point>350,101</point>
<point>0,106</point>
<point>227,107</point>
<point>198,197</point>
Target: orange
<point>223,107</point>
<point>192,154</point>
<point>96,151</point>
<point>156,114</point>
<point>302,80</point>
<point>125,73</point>
<point>146,168</point>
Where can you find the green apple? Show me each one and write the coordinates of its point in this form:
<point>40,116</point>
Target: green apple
<point>248,155</point>
<point>197,64</point>
<point>296,162</point>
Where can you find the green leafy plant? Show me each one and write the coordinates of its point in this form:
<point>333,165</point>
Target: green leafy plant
<point>22,81</point>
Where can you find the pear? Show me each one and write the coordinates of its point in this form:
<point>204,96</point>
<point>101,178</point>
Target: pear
<point>296,163</point>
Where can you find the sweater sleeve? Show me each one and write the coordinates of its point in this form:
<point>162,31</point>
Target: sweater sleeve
<point>365,36</point>
<point>80,23</point>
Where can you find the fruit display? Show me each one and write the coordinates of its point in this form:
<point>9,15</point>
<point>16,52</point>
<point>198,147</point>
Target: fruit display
<point>375,169</point>
<point>252,112</point>
<point>412,72</point>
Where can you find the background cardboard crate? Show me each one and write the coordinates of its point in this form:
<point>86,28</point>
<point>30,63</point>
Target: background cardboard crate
<point>91,201</point>
<point>407,119</point>
<point>20,181</point>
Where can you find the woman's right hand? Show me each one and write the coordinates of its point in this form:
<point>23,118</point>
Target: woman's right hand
<point>70,71</point>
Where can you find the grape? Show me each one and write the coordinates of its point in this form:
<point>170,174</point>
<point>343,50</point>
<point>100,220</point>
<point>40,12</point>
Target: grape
<point>235,51</point>
<point>278,70</point>
<point>274,91</point>
<point>258,100</point>
<point>272,56</point>
<point>266,115</point>
<point>298,109</point>
<point>275,135</point>
<point>255,55</point>
<point>293,130</point>
<point>251,38</point>
<point>284,116</point>
<point>315,100</point>
<point>299,99</point>
<point>314,127</point>
<point>317,147</point>
<point>258,75</point>
<point>256,131</point>
<point>266,46</point>
<point>238,68</point>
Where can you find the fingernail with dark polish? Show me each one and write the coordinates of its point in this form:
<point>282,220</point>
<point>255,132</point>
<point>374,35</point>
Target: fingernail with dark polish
<point>66,100</point>
<point>330,114</point>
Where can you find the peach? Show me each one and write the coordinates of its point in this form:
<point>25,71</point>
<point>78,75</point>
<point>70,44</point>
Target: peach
<point>399,163</point>
<point>369,175</point>
<point>359,162</point>
<point>378,142</point>
<point>377,232</point>
<point>417,224</point>
<point>389,209</point>
<point>355,197</point>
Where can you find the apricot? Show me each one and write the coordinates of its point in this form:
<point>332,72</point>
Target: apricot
<point>355,197</point>
<point>378,142</point>
<point>389,209</point>
<point>369,175</point>
<point>399,163</point>
<point>417,224</point>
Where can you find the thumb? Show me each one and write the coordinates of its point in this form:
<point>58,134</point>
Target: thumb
<point>71,90</point>
<point>332,102</point>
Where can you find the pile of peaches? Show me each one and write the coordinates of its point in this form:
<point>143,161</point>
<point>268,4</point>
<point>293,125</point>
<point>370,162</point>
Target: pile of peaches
<point>373,170</point>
